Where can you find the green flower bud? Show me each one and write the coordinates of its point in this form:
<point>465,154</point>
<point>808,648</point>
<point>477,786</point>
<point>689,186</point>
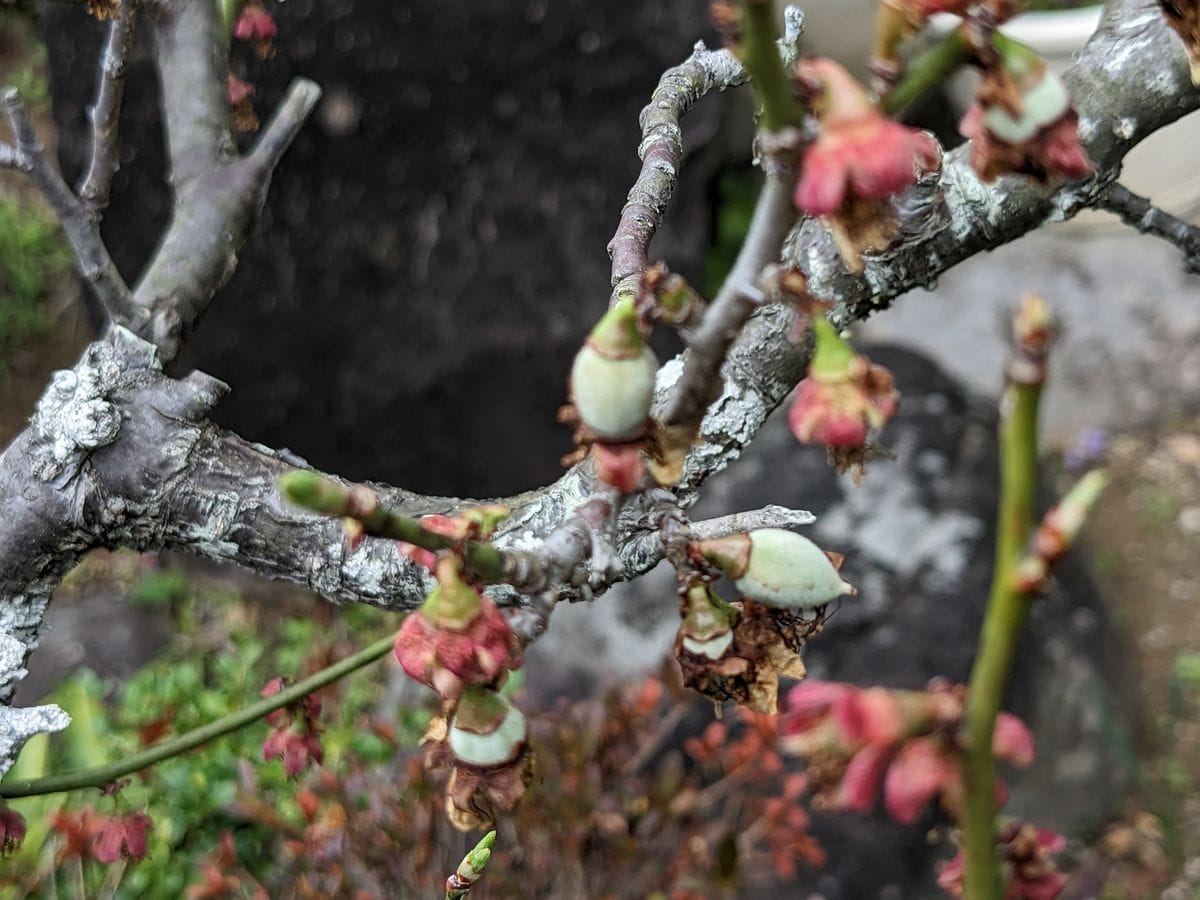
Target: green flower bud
<point>612,378</point>
<point>777,568</point>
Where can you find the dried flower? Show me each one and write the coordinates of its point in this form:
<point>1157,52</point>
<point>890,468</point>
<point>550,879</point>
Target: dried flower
<point>1022,121</point>
<point>103,10</point>
<point>858,163</point>
<point>778,568</point>
<point>1029,870</point>
<point>843,399</point>
<point>123,837</point>
<point>241,104</point>
<point>485,742</point>
<point>612,378</point>
<point>12,830</point>
<point>763,647</point>
<point>457,637</point>
<point>1184,17</point>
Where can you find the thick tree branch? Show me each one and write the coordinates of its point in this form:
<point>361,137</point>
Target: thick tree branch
<point>1138,212</point>
<point>218,195</point>
<point>106,112</point>
<point>91,255</point>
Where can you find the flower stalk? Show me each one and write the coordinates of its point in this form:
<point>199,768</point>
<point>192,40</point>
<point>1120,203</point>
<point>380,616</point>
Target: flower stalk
<point>1007,606</point>
<point>177,746</point>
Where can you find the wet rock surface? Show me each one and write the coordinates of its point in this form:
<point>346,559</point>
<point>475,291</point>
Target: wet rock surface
<point>917,534</point>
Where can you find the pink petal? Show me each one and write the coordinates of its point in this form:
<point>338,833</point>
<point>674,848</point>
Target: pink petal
<point>1012,740</point>
<point>822,184</point>
<point>809,702</point>
<point>870,715</point>
<point>860,781</point>
<point>920,770</point>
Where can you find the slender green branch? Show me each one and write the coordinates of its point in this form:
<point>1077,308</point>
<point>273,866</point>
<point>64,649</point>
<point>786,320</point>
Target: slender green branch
<point>926,71</point>
<point>759,52</point>
<point>1008,605</point>
<point>102,775</point>
<point>323,495</point>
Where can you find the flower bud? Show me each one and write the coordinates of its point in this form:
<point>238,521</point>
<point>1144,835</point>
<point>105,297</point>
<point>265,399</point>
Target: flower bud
<point>612,378</point>
<point>706,630</point>
<point>777,568</point>
<point>486,730</point>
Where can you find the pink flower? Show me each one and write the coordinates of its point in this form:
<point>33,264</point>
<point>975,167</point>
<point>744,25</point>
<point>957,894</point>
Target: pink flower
<point>856,739</point>
<point>860,160</point>
<point>457,637</point>
<point>12,830</point>
<point>254,23</point>
<point>297,749</point>
<point>122,837</point>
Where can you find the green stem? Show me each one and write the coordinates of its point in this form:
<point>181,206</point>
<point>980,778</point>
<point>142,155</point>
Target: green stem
<point>323,495</point>
<point>1006,612</point>
<point>759,53</point>
<point>102,775</point>
<point>926,71</point>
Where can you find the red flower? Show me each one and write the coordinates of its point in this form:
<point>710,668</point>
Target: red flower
<point>457,637</point>
<point>12,830</point>
<point>859,162</point>
<point>123,837</point>
<point>842,400</point>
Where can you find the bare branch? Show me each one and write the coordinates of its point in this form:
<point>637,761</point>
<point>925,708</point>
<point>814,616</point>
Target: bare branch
<point>661,152</point>
<point>218,196</point>
<point>285,123</point>
<point>106,112</point>
<point>91,255</point>
<point>700,384</point>
<point>1147,218</point>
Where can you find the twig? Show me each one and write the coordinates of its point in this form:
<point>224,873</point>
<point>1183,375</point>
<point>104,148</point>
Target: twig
<point>302,96</point>
<point>661,152</point>
<point>102,775</point>
<point>926,71</point>
<point>106,113</point>
<point>1140,213</point>
<point>772,516</point>
<point>91,255</point>
<point>1007,606</point>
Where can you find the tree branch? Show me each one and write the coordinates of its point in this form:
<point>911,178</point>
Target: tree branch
<point>91,255</point>
<point>106,112</point>
<point>1140,213</point>
<point>661,152</point>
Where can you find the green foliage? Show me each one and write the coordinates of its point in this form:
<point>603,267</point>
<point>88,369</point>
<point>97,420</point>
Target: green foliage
<point>31,254</point>
<point>219,664</point>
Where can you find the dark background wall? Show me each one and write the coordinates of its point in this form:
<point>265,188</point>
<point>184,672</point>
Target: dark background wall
<point>433,247</point>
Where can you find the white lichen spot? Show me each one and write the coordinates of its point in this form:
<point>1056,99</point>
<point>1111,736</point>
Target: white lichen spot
<point>1125,128</point>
